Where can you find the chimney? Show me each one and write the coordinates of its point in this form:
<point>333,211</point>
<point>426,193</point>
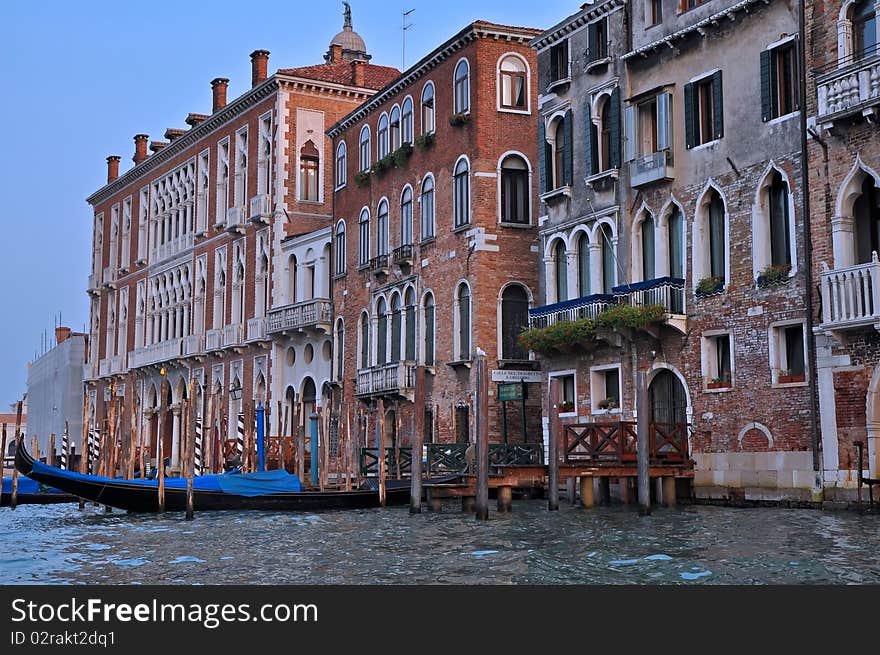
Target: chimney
<point>335,52</point>
<point>173,133</point>
<point>156,146</point>
<point>194,119</point>
<point>219,85</point>
<point>140,148</point>
<point>112,167</point>
<point>358,71</point>
<point>61,333</point>
<point>259,66</point>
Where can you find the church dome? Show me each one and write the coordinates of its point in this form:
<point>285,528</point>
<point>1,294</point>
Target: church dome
<point>349,43</point>
<point>349,40</point>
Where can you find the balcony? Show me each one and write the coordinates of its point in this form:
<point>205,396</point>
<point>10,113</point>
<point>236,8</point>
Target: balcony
<point>94,283</point>
<point>171,248</point>
<point>104,367</point>
<point>397,378</point>
<point>851,297</point>
<point>403,256</point>
<point>155,353</point>
<point>312,314</point>
<point>213,340</point>
<point>569,310</point>
<point>90,371</point>
<point>109,277</point>
<point>232,335</point>
<point>194,345</point>
<point>651,168</point>
<point>379,265</point>
<point>256,329</point>
<point>851,90</point>
<point>261,208</point>
<point>666,291</point>
<point>235,219</point>
<point>117,365</point>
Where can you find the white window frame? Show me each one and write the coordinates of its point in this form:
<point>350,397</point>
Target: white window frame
<point>708,357</point>
<point>365,149</point>
<point>433,128</point>
<point>341,163</point>
<point>499,91</point>
<point>777,352</point>
<point>467,81</point>
<point>564,374</point>
<point>597,380</point>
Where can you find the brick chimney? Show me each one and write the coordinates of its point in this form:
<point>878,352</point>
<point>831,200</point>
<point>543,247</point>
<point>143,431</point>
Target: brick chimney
<point>219,86</point>
<point>358,72</point>
<point>335,52</point>
<point>259,66</point>
<point>112,167</point>
<point>140,148</point>
<point>173,133</point>
<point>156,146</point>
<point>61,333</point>
<point>194,119</point>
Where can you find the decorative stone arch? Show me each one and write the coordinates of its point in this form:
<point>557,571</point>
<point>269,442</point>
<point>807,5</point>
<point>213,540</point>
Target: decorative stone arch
<point>550,268</point>
<point>872,413</point>
<point>467,78</point>
<point>843,223</point>
<point>760,427</point>
<point>700,252</point>
<point>457,319</point>
<point>528,85</point>
<point>662,237</point>
<point>637,260</point>
<point>517,155</point>
<point>656,367</point>
<point>845,32</point>
<point>761,255</point>
<point>499,327</point>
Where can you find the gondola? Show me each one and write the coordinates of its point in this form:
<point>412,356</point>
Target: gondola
<point>269,490</point>
<point>31,492</point>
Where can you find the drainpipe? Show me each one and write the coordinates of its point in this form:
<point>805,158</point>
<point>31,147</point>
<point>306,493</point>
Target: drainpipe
<point>808,247</point>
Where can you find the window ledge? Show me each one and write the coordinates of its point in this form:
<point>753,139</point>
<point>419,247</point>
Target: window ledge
<point>784,117</point>
<point>428,241</point>
<point>606,412</point>
<point>788,385</point>
<point>597,63</point>
<point>555,194</point>
<point>465,363</point>
<point>516,226</point>
<point>611,173</point>
<point>339,276</point>
<point>557,84</point>
<point>364,267</point>
<point>567,414</point>
<point>341,186</point>
<point>462,228</point>
<point>709,145</point>
<point>718,390</point>
<point>514,110</point>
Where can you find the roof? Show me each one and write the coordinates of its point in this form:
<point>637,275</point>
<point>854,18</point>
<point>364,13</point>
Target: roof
<point>342,72</point>
<point>9,420</point>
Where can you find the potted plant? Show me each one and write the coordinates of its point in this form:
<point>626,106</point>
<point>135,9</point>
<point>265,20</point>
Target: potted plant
<point>787,377</point>
<point>362,178</point>
<point>424,141</point>
<point>721,382</point>
<point>566,406</point>
<point>381,166</point>
<point>400,155</point>
<point>709,285</point>
<point>773,275</point>
<point>459,119</point>
<point>608,403</point>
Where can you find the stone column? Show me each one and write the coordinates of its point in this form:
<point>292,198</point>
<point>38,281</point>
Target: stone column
<point>844,41</point>
<point>549,281</point>
<point>842,229</point>
<point>571,269</point>
<point>596,285</point>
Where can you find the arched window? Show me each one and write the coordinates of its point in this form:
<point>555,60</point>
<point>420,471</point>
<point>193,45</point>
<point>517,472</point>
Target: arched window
<point>381,332</point>
<point>394,128</point>
<point>382,228</point>
<point>514,190</point>
<point>780,235</point>
<point>428,353</point>
<point>559,158</point>
<point>676,243</point>
<point>382,137</point>
<point>608,261</point>
<point>461,193</point>
<point>864,28</point>
<point>866,212</point>
<point>365,340</point>
<point>406,218</point>
<point>461,88</point>
<point>340,349</point>
<point>605,147</point>
<point>364,148</point>
<point>341,165</point>
<point>409,351</point>
<point>428,108</point>
<point>513,83</point>
<point>561,265</point>
<point>292,271</point>
<point>341,255</point>
<point>364,237</point>
<point>396,327</point>
<point>463,316</point>
<point>709,256</point>
<point>716,235</point>
<point>584,265</point>
<point>649,271</point>
<point>406,121</point>
<point>426,209</point>
<point>514,319</point>
<point>308,172</point>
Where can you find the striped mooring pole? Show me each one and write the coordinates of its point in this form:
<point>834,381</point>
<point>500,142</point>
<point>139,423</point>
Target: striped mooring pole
<point>197,454</point>
<point>240,439</point>
<point>93,450</point>
<point>65,449</point>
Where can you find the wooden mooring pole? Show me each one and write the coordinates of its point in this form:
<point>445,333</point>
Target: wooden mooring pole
<point>382,473</point>
<point>84,444</point>
<point>190,456</point>
<point>3,452</point>
<point>13,500</point>
<point>553,446</point>
<point>643,445</point>
<point>415,490</point>
<point>481,415</point>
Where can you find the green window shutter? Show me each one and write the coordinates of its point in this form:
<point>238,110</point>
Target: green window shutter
<point>614,117</point>
<point>567,152</point>
<point>766,88</point>
<point>664,123</point>
<point>554,68</point>
<point>542,157</point>
<point>630,133</point>
<point>589,142</point>
<point>592,42</point>
<point>719,104</point>
<point>689,115</point>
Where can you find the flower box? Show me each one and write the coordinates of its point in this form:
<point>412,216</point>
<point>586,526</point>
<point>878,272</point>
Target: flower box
<point>709,285</point>
<point>565,407</point>
<point>424,141</point>
<point>717,385</point>
<point>791,379</point>
<point>773,275</point>
<point>459,119</point>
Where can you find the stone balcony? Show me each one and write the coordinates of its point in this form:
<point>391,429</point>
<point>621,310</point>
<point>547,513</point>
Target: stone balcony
<point>651,168</point>
<point>171,248</point>
<point>256,330</point>
<point>851,296</point>
<point>315,314</point>
<point>235,219</point>
<point>94,284</point>
<point>90,371</point>
<point>109,277</point>
<point>194,345</point>
<point>570,310</point>
<point>261,208</point>
<point>849,90</point>
<point>213,340</point>
<point>118,365</point>
<point>104,367</point>
<point>394,379</point>
<point>155,353</point>
<point>233,335</point>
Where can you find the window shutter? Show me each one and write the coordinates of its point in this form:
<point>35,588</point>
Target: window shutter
<point>554,64</point>
<point>719,104</point>
<point>766,88</point>
<point>567,153</point>
<point>589,141</point>
<point>630,133</point>
<point>664,121</point>
<point>542,157</point>
<point>614,116</point>
<point>689,115</point>
<point>592,42</point>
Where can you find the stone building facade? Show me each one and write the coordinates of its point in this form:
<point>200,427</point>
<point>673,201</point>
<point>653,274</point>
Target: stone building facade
<point>434,245</point>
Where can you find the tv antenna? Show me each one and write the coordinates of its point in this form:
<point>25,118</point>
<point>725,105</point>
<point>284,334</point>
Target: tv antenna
<point>406,26</point>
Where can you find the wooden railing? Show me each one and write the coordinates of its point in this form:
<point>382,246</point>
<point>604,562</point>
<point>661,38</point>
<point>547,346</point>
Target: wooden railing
<point>369,463</point>
<point>447,458</point>
<point>520,454</point>
<point>614,444</point>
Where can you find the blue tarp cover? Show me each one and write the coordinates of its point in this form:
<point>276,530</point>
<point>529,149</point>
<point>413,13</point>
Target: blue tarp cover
<point>28,486</point>
<point>240,484</point>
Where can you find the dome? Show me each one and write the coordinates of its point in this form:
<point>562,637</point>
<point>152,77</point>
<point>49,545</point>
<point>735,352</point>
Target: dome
<point>349,40</point>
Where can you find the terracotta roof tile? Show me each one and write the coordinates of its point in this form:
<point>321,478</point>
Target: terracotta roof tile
<point>499,26</point>
<point>342,72</point>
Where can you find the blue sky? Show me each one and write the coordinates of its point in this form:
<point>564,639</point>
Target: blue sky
<point>80,79</point>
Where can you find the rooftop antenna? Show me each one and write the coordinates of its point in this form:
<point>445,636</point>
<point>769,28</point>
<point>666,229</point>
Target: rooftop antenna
<point>406,26</point>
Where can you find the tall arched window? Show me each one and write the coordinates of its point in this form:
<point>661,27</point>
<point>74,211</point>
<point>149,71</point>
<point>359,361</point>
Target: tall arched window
<point>864,27</point>
<point>461,193</point>
<point>608,262</point>
<point>426,209</point>
<point>514,190</point>
<point>513,83</point>
<point>676,243</point>
<point>382,228</point>
<point>649,271</point>
<point>428,108</point>
<point>461,88</point>
<point>559,154</point>
<point>406,218</point>
<point>381,332</point>
<point>341,255</point>
<point>428,353</point>
<point>341,165</point>
<point>514,319</point>
<point>396,327</point>
<point>365,340</point>
<point>717,263</point>
<point>463,314</point>
<point>382,137</point>
<point>584,265</point>
<point>866,212</point>
<point>364,238</point>
<point>364,148</point>
<point>406,121</point>
<point>780,235</point>
<point>340,349</point>
<point>561,265</point>
<point>409,351</point>
<point>308,172</point>
<point>394,128</point>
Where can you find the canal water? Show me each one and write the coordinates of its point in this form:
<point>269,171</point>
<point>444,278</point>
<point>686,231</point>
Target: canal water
<point>691,545</point>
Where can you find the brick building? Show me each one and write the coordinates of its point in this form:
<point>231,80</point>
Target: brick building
<point>187,256</point>
<point>843,149</point>
<point>434,237</point>
<point>671,173</point>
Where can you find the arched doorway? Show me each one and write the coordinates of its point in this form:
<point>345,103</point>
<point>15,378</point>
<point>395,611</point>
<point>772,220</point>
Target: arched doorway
<point>309,396</point>
<point>668,408</point>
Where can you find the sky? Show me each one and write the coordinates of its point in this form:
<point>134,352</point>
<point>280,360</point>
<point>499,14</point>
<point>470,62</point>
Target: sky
<point>80,78</point>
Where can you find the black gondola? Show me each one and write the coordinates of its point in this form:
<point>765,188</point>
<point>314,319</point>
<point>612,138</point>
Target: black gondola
<point>142,495</point>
